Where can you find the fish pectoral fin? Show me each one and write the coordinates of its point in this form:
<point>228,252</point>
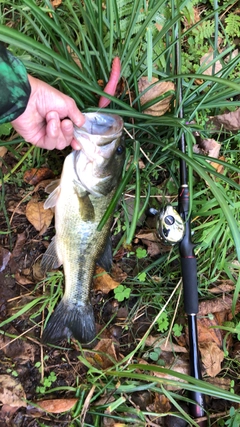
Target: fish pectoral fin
<point>52,186</point>
<point>86,208</point>
<point>79,189</point>
<point>106,259</point>
<point>52,198</point>
<point>50,260</point>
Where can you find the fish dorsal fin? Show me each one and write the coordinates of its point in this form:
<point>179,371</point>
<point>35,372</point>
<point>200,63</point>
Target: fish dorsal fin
<point>50,259</point>
<point>52,198</point>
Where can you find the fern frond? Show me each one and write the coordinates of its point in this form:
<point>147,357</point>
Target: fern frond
<point>233,25</point>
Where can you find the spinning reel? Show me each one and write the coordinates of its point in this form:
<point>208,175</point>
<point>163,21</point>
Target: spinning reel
<point>170,225</point>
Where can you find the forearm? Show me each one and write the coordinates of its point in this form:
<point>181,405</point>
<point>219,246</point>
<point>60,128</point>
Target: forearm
<point>15,89</point>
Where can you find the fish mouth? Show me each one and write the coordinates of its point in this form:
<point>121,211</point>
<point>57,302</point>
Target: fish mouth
<point>99,129</point>
<point>98,139</point>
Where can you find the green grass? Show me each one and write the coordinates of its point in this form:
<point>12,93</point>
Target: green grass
<point>93,34</point>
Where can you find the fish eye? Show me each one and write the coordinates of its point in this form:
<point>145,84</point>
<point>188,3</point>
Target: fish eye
<point>120,149</point>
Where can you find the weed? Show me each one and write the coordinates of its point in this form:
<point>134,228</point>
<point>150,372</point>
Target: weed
<point>177,330</point>
<point>233,25</point>
<point>12,372</point>
<point>163,322</point>
<point>5,129</point>
<point>46,383</point>
<point>141,253</point>
<point>142,276</point>
<point>234,419</point>
<point>122,292</point>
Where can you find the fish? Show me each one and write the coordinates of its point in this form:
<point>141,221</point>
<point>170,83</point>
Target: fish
<point>89,180</point>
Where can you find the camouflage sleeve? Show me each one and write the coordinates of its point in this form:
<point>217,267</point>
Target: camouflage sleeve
<point>14,86</point>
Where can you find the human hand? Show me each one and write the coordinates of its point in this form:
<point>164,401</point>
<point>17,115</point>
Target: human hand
<point>48,119</point>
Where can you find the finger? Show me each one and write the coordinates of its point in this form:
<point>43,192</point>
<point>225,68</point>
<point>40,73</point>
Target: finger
<point>74,114</point>
<point>50,142</point>
<point>53,124</point>
<point>75,145</point>
<point>67,128</point>
<point>54,137</point>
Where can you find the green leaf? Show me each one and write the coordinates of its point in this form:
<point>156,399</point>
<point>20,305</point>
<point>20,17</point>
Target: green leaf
<point>5,129</point>
<point>177,330</point>
<point>163,322</point>
<point>142,276</point>
<point>141,253</point>
<point>121,292</point>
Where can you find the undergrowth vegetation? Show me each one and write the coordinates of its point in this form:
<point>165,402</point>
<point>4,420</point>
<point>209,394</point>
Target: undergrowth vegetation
<point>72,48</point>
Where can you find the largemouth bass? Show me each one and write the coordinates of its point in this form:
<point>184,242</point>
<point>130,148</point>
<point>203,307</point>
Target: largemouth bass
<point>87,184</point>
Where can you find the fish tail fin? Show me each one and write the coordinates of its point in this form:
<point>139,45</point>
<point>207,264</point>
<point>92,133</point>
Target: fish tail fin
<point>71,319</point>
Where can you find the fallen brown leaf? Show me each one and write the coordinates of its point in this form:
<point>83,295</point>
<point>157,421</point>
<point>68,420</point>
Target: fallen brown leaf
<point>191,18</point>
<point>208,146</point>
<point>34,176</point>
<point>118,274</point>
<point>222,287</point>
<point>56,406</point>
<point>150,235</point>
<point>181,366</point>
<point>104,354</point>
<point>164,345</point>
<point>219,168</point>
<point>6,414</point>
<point>205,60</point>
<point>56,3</point>
<point>229,121</point>
<point>102,281</point>
<point>74,57</point>
<point>20,242</point>
<point>153,243</point>
<point>11,391</point>
<point>208,334</point>
<point>154,91</point>
<point>22,279</point>
<point>153,248</point>
<point>212,358</point>
<point>110,422</point>
<point>16,349</point>
<point>39,217</point>
<point>16,207</point>
<point>215,305</point>
<point>161,404</point>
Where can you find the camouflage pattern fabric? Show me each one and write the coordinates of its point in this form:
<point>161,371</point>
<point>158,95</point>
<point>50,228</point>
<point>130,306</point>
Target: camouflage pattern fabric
<point>14,86</point>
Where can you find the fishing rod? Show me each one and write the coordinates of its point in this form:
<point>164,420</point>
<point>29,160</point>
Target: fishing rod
<point>174,226</point>
<point>188,263</point>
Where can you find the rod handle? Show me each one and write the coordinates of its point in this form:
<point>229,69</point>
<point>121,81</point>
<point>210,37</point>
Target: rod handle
<point>190,288</point>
